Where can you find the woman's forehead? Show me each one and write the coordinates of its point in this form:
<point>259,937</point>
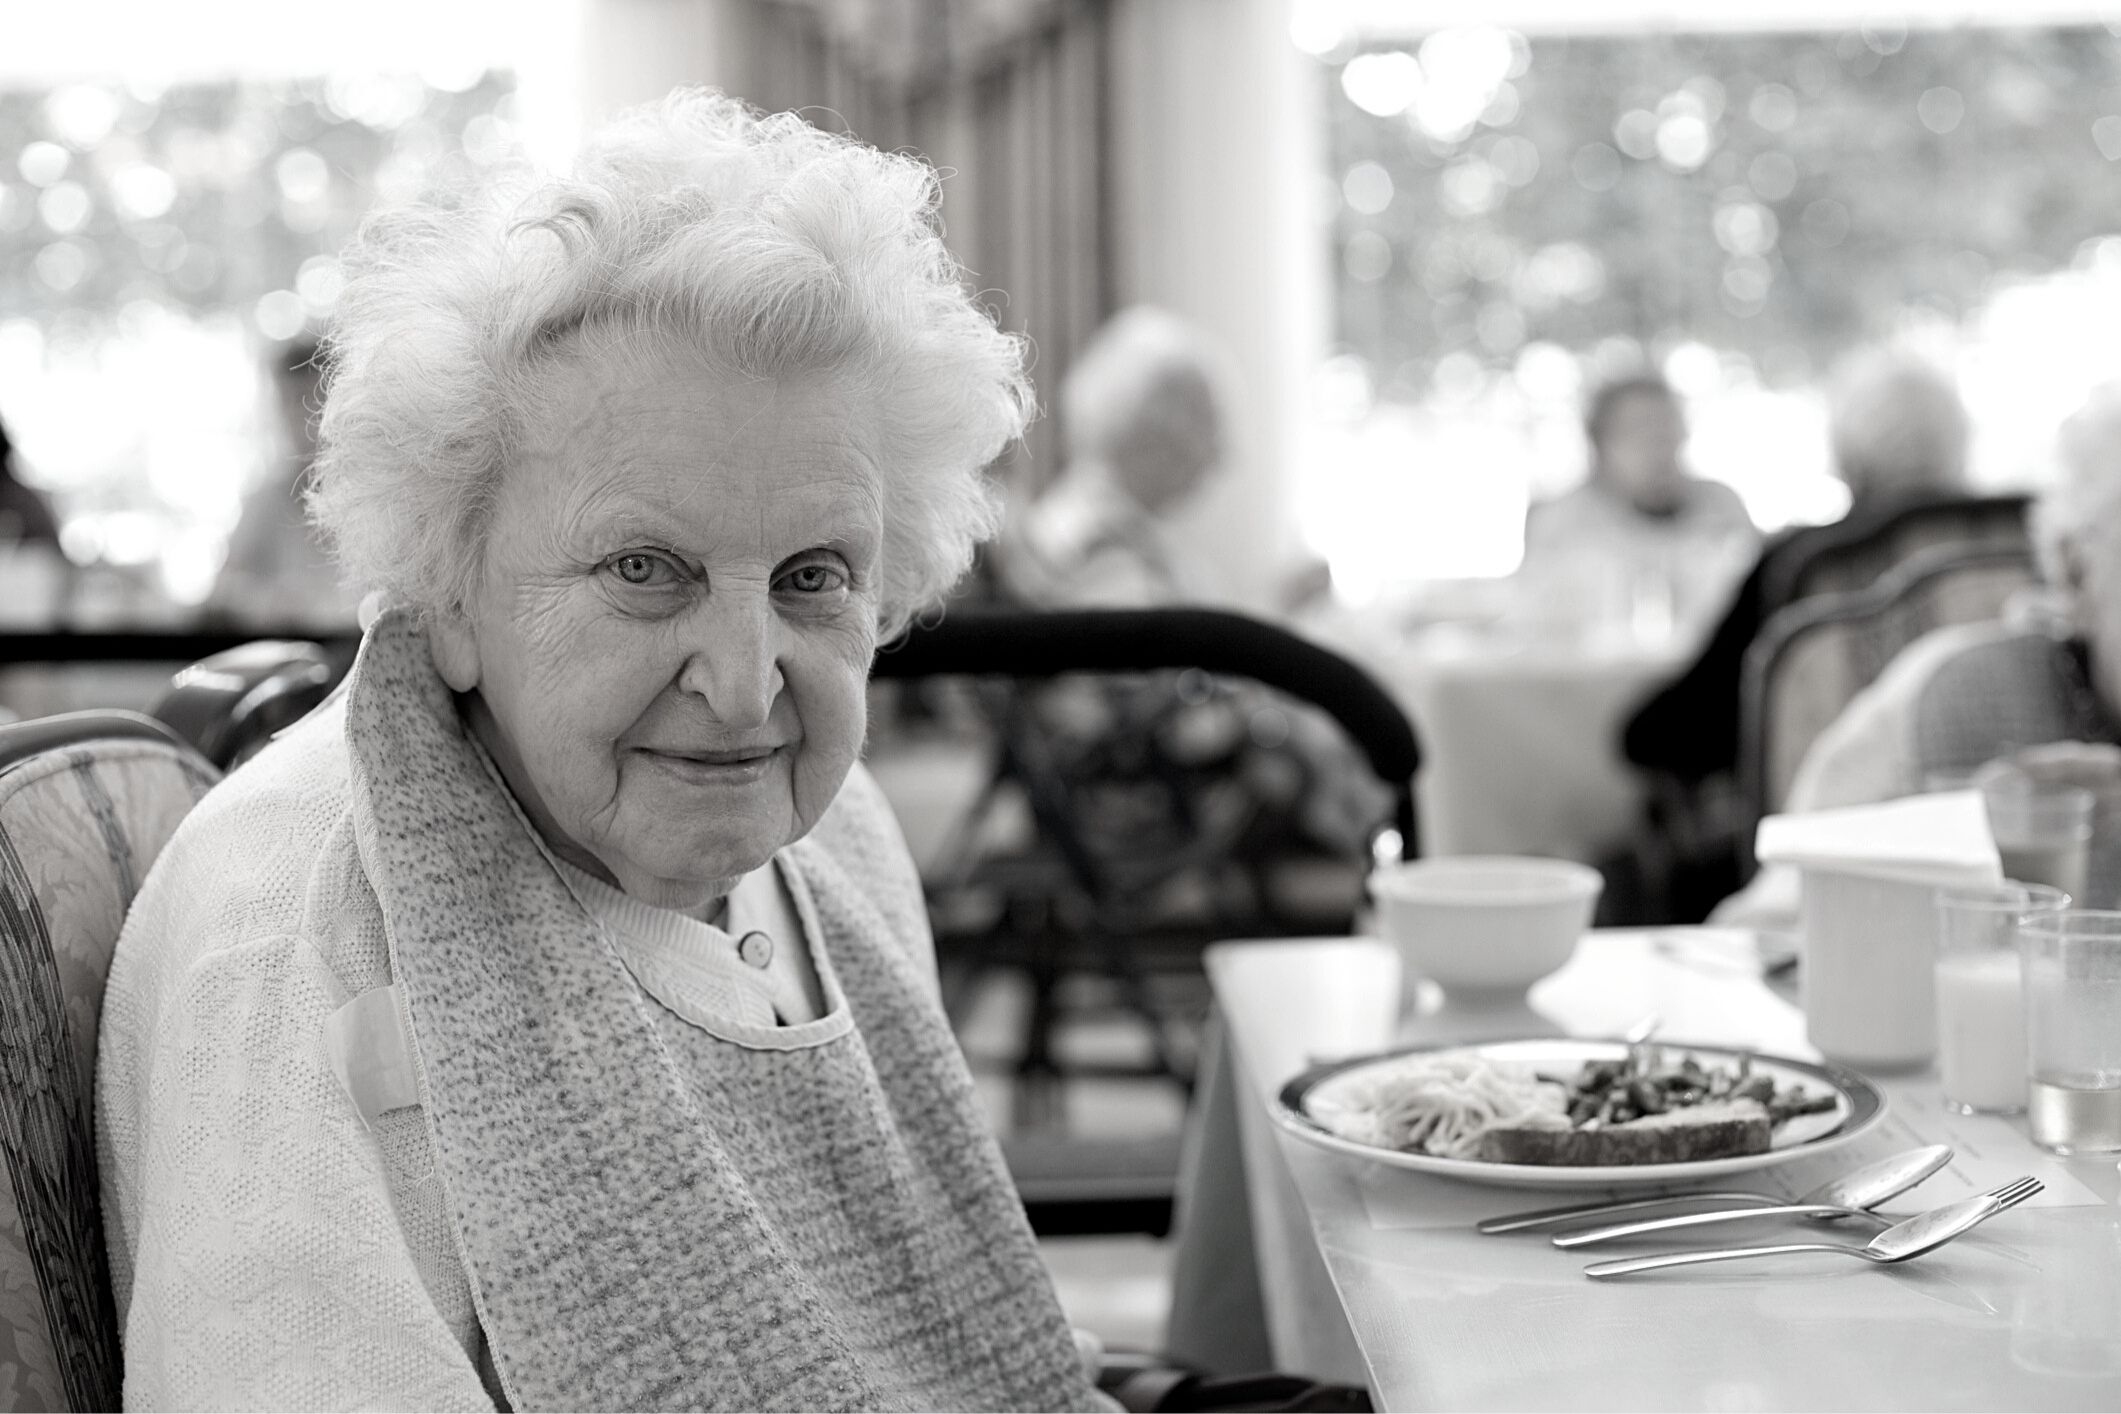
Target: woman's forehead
<point>671,449</point>
<point>767,501</point>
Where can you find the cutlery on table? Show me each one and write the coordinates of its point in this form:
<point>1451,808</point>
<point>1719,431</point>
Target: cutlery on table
<point>1911,1237</point>
<point>1863,1187</point>
<point>1852,1195</point>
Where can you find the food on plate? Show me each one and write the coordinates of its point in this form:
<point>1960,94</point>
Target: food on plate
<point>1633,1109</point>
<point>1439,1103</point>
<point>1644,1083</point>
<point>1715,1129</point>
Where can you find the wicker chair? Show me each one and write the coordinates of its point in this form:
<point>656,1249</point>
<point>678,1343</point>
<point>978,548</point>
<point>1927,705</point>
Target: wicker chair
<point>1816,655</point>
<point>87,800</point>
<point>1118,818</point>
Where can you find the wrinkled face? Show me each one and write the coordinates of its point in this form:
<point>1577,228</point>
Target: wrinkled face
<point>667,650</point>
<point>1638,451</point>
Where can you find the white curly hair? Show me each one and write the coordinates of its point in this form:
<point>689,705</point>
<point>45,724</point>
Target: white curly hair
<point>766,246</point>
<point>1897,424</point>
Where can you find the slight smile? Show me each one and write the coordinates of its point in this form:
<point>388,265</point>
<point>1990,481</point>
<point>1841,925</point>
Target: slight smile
<point>727,768</point>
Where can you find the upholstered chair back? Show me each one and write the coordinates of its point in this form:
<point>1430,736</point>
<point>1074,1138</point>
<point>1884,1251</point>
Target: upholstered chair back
<point>87,801</point>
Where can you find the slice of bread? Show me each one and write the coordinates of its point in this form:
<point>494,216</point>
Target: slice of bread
<point>1716,1130</point>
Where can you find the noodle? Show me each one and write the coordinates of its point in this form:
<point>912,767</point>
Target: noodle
<point>1436,1104</point>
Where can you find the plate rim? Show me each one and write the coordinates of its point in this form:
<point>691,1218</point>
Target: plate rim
<point>1857,1089</point>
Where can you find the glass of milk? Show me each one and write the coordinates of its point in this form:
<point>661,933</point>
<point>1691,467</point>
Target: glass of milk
<point>1981,1055</point>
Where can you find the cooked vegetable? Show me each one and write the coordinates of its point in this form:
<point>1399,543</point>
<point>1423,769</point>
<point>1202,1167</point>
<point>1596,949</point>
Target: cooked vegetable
<point>1616,1091</point>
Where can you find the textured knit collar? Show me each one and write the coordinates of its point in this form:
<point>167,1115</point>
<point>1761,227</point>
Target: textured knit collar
<point>618,1255</point>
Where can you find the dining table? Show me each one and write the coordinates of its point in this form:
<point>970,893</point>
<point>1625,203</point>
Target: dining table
<point>1346,1268</point>
<point>1520,724</point>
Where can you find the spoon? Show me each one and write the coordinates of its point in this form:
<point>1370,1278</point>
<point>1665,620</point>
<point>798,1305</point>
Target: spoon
<point>1924,1232</point>
<point>1920,1162</point>
<point>1848,1196</point>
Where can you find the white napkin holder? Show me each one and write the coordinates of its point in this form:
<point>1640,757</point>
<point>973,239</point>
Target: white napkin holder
<point>1871,875</point>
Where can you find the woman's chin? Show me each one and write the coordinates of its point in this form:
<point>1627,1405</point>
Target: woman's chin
<point>681,878</point>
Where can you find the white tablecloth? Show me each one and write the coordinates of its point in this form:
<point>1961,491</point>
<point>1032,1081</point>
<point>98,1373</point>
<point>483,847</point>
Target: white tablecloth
<point>1520,734</point>
<point>1376,1276</point>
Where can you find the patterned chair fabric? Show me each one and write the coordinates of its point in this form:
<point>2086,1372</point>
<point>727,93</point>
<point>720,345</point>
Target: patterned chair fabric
<point>86,803</point>
<point>1868,548</point>
<point>1816,655</point>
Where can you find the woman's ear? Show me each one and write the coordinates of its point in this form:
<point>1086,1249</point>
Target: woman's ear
<point>454,647</point>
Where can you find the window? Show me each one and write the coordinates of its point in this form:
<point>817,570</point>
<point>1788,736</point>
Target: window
<point>1513,214</point>
<point>158,245</point>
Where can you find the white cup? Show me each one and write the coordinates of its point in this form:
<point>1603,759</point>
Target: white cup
<point>1869,977</point>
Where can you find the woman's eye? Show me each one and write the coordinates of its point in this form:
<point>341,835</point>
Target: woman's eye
<point>815,579</point>
<point>643,569</point>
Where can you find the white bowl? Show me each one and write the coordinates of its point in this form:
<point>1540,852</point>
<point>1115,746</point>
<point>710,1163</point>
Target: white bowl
<point>1485,923</point>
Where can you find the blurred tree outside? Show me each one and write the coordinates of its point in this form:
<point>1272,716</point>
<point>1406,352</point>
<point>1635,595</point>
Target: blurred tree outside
<point>1512,216</point>
<point>158,245</point>
<point>1789,195</point>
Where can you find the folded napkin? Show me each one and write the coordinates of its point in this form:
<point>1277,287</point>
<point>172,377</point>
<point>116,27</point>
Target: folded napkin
<point>1925,839</point>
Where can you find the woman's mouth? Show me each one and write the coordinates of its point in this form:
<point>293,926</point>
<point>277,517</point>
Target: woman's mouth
<point>731,766</point>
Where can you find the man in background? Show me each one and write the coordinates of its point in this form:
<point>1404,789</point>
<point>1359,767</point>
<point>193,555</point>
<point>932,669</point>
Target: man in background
<point>1643,538</point>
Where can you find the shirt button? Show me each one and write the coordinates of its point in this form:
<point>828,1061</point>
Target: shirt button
<point>756,949</point>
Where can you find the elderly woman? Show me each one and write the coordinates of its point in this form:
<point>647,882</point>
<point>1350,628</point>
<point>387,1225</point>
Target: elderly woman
<point>551,1020</point>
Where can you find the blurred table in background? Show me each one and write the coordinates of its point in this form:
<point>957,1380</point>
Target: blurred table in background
<point>1520,726</point>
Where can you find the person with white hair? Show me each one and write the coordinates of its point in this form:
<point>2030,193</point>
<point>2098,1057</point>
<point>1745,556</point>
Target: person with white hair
<point>1966,694</point>
<point>1143,412</point>
<point>1897,428</point>
<point>1897,432</point>
<point>551,1020</point>
<point>2036,693</point>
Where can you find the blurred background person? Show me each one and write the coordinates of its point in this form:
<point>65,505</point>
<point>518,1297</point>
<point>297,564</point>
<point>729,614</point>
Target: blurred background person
<point>1898,432</point>
<point>25,518</point>
<point>1643,538</point>
<point>276,573</point>
<point>1898,435</point>
<point>1144,416</point>
<point>34,574</point>
<point>1897,428</point>
<point>2037,694</point>
<point>1142,420</point>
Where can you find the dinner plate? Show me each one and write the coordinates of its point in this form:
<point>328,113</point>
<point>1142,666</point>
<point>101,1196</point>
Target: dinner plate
<point>1858,1105</point>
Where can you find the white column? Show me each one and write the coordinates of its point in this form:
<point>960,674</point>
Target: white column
<point>635,51</point>
<point>1218,142</point>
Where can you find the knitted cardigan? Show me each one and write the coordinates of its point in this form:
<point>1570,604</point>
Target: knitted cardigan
<point>594,1204</point>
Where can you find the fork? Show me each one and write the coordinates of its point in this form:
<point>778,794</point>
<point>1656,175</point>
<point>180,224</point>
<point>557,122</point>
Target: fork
<point>1910,1237</point>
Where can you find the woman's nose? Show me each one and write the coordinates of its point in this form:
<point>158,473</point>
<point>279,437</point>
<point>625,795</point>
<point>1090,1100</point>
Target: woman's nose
<point>735,667</point>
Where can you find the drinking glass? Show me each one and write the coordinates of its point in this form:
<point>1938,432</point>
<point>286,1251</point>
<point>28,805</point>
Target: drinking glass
<point>2073,1029</point>
<point>1980,1001</point>
<point>2043,831</point>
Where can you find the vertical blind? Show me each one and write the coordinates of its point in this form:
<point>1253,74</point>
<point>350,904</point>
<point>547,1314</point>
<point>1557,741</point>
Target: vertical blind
<point>1010,100</point>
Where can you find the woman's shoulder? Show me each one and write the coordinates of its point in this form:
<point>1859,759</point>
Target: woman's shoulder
<point>861,832</point>
<point>245,862</point>
<point>860,838</point>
